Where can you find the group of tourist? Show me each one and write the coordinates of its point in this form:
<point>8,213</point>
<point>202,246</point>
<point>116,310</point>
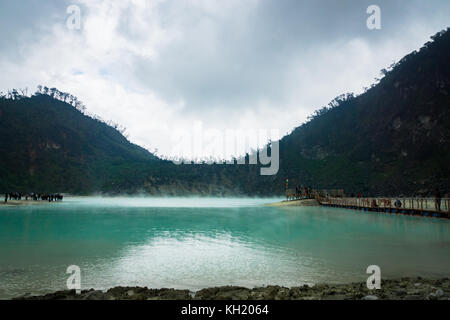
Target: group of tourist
<point>398,203</point>
<point>33,196</point>
<point>386,203</point>
<point>303,191</point>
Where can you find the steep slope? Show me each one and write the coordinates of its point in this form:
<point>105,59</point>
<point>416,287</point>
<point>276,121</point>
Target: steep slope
<point>47,144</point>
<point>392,139</point>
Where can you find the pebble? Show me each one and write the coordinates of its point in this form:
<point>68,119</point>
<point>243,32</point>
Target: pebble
<point>432,296</point>
<point>370,297</point>
<point>94,295</point>
<point>399,292</point>
<point>413,297</point>
<point>439,293</point>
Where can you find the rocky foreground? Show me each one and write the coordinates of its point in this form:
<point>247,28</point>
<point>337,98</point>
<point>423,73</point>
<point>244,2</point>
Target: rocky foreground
<point>402,289</point>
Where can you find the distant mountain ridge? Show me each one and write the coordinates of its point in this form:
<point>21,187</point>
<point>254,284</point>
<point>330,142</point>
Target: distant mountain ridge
<point>391,140</point>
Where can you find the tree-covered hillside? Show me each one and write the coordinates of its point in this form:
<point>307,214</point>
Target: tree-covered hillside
<point>393,139</point>
<point>47,144</point>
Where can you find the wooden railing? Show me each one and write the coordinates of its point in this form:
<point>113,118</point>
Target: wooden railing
<point>422,204</point>
<point>291,194</point>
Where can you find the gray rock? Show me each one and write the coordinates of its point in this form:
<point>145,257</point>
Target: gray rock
<point>413,297</point>
<point>93,295</point>
<point>399,292</point>
<point>439,293</point>
<point>432,296</point>
<point>370,297</point>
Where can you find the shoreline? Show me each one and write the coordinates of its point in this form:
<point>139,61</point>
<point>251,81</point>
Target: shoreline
<point>14,203</point>
<point>295,203</point>
<point>391,289</point>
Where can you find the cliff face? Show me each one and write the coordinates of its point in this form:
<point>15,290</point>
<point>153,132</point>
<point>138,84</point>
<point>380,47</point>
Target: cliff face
<point>48,145</point>
<point>391,140</point>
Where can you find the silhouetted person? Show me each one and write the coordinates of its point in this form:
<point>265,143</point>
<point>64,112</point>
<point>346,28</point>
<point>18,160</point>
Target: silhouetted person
<point>437,197</point>
<point>374,203</point>
<point>6,198</point>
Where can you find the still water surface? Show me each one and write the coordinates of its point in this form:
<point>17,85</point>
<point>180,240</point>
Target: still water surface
<point>192,243</point>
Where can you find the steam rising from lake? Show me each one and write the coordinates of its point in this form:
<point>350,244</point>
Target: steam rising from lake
<point>170,202</point>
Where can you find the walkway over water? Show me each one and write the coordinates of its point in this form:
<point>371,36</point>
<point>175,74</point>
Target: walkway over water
<point>410,206</point>
<point>428,207</point>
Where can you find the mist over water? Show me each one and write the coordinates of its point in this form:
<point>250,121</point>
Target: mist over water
<point>169,202</point>
<point>193,243</point>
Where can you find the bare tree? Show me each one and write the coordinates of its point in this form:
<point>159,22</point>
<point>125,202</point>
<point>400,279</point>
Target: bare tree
<point>24,92</point>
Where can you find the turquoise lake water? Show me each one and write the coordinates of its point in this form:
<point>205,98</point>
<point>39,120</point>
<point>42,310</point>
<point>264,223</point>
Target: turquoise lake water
<point>194,243</point>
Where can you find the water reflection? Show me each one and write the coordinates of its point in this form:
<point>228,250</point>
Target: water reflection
<point>183,246</point>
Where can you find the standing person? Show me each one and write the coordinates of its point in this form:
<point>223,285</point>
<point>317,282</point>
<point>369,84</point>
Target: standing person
<point>6,198</point>
<point>437,198</point>
<point>374,203</point>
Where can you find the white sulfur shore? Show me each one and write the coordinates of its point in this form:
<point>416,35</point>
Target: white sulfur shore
<point>295,203</point>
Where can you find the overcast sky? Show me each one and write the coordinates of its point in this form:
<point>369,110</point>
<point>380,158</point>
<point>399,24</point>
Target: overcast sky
<point>158,65</point>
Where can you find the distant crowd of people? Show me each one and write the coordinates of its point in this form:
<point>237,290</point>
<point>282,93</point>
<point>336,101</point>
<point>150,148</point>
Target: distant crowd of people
<point>398,202</point>
<point>303,192</point>
<point>33,196</point>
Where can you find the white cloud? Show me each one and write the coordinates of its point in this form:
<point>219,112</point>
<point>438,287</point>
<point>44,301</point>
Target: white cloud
<point>154,66</point>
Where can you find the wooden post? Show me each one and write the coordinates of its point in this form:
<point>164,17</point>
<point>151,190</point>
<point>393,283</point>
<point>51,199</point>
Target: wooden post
<point>287,188</point>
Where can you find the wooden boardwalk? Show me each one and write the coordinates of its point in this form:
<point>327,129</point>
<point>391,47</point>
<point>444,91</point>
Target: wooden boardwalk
<point>425,207</point>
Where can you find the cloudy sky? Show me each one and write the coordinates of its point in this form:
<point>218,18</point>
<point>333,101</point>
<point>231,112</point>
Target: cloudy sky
<point>158,66</point>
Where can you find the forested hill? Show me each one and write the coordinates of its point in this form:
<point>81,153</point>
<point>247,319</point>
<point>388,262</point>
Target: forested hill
<point>47,144</point>
<point>391,140</point>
